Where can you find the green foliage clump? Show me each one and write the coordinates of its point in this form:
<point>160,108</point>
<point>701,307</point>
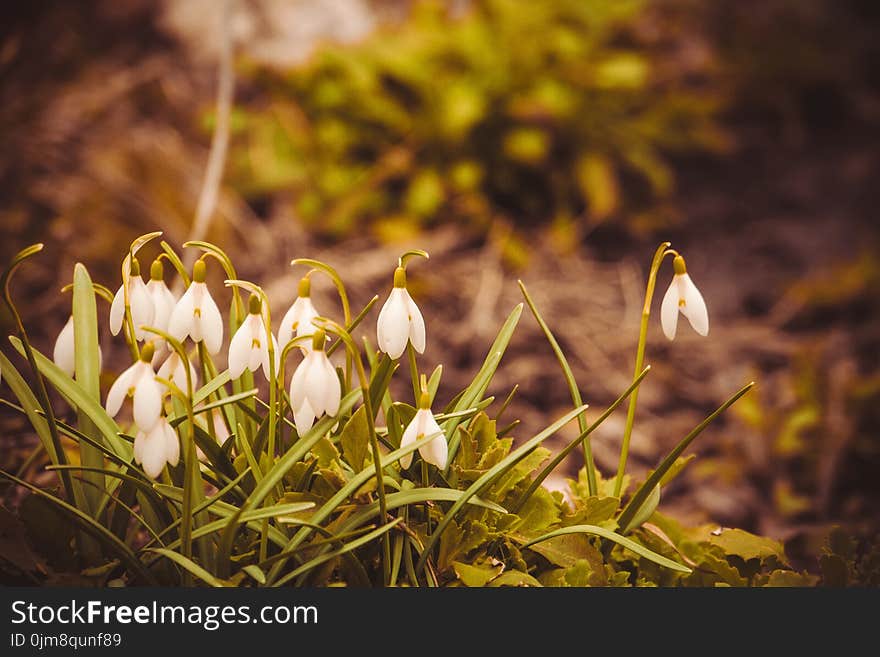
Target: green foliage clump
<point>243,496</point>
<point>534,111</point>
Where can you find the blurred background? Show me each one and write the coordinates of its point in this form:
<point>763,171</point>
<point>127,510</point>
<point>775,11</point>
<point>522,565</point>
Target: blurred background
<point>556,141</point>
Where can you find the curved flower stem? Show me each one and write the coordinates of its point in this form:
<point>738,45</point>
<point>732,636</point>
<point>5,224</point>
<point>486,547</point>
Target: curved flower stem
<point>345,336</point>
<point>661,252</point>
<point>128,322</point>
<point>42,394</point>
<point>191,477</point>
<point>273,392</point>
<point>343,298</point>
<point>401,261</point>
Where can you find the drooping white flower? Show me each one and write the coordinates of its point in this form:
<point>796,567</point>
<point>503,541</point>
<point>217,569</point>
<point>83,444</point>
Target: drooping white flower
<point>64,352</point>
<point>400,320</point>
<point>139,381</point>
<point>156,447</point>
<point>249,347</point>
<point>298,319</point>
<point>163,298</point>
<point>683,296</point>
<point>196,314</point>
<point>422,425</point>
<point>139,300</point>
<point>173,370</point>
<point>314,388</point>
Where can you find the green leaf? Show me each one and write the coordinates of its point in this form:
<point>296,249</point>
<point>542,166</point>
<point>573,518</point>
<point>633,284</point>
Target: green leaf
<point>81,400</point>
<point>345,493</point>
<point>87,370</point>
<point>748,546</point>
<point>573,389</point>
<point>475,390</point>
<point>275,474</point>
<point>592,484</point>
<point>638,499</point>
<point>491,475</point>
<point>790,578</point>
<point>88,524</point>
<point>255,572</point>
<point>348,547</point>
<point>616,538</point>
<point>29,405</point>
<point>514,578</point>
<point>189,565</point>
<point>476,576</point>
<point>355,439</point>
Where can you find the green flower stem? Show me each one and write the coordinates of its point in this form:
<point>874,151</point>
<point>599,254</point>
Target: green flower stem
<point>42,394</point>
<point>374,442</point>
<point>191,477</point>
<point>343,298</point>
<point>273,394</point>
<point>414,373</point>
<point>659,254</point>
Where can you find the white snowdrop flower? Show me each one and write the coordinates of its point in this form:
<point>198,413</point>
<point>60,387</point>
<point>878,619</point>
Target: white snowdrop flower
<point>196,314</point>
<point>139,300</point>
<point>249,347</point>
<point>314,388</point>
<point>683,296</point>
<point>64,353</point>
<point>139,381</point>
<point>156,447</point>
<point>400,320</point>
<point>173,370</point>
<point>422,425</point>
<point>298,319</point>
<point>163,298</point>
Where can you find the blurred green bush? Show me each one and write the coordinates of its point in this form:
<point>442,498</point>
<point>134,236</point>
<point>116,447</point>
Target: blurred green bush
<point>561,111</point>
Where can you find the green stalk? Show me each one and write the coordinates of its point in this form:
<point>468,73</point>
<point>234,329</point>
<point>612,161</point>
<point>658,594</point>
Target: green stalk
<point>42,394</point>
<point>659,254</point>
<point>374,442</point>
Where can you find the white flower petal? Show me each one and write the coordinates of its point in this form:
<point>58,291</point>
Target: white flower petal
<point>147,401</point>
<point>212,324</point>
<point>303,417</point>
<point>153,452</point>
<point>436,450</point>
<point>119,390</point>
<point>669,309</point>
<point>180,322</point>
<point>298,381</point>
<point>265,359</point>
<point>392,327</point>
<point>307,313</point>
<point>694,307</point>
<point>117,311</point>
<point>410,434</point>
<point>240,350</point>
<point>139,446</point>
<point>142,310</point>
<point>332,388</point>
<point>416,325</point>
<point>172,444</point>
<point>163,303</point>
<point>63,355</point>
<point>316,382</point>
<point>257,355</point>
